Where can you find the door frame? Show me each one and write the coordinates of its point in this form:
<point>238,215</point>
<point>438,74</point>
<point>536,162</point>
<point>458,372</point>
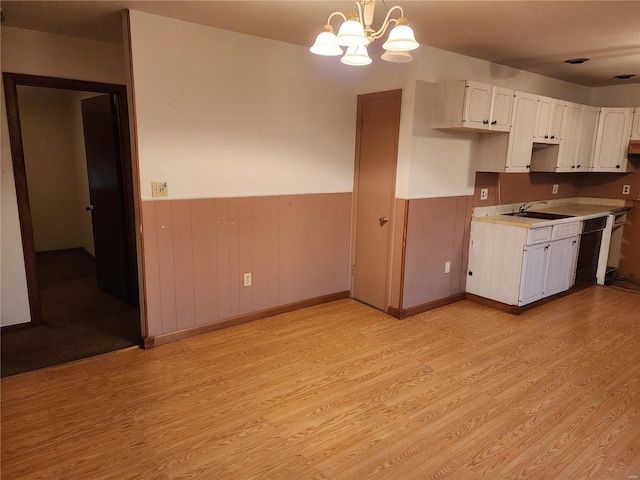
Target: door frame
<point>11,82</point>
<point>392,207</point>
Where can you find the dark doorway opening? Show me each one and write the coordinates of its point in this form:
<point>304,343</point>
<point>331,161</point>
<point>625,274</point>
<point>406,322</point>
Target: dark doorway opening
<point>83,298</point>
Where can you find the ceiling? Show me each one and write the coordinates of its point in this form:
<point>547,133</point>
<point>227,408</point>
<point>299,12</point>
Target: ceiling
<point>536,36</point>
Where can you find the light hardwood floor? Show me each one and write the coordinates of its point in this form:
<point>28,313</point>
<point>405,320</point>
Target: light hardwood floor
<point>341,391</point>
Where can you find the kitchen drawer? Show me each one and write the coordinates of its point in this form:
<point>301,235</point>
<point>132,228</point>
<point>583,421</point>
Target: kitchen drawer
<point>538,235</point>
<point>565,230</point>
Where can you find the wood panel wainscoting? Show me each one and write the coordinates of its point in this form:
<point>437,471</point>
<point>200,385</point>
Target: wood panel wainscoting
<point>196,252</point>
<point>343,391</point>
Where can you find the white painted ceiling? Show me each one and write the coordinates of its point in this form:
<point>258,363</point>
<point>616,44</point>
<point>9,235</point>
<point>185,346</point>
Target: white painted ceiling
<point>536,36</point>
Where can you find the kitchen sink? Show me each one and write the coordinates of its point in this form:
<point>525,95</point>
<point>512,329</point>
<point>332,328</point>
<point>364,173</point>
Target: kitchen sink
<point>539,215</point>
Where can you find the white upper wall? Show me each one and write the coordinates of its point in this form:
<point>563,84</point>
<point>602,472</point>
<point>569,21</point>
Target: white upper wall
<point>221,114</point>
<point>617,96</point>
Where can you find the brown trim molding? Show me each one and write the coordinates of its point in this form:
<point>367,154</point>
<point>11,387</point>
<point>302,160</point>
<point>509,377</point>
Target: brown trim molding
<point>11,81</point>
<point>487,302</point>
<point>515,309</point>
<point>163,339</point>
<point>401,313</point>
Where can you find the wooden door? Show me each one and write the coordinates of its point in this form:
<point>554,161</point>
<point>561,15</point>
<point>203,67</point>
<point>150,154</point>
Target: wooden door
<point>376,158</point>
<point>106,190</point>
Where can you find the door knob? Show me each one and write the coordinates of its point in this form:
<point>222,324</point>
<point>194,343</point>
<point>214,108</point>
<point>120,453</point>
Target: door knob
<point>89,208</point>
<point>383,220</point>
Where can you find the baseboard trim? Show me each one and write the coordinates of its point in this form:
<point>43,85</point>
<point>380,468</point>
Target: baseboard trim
<point>487,302</point>
<point>401,314</point>
<point>150,342</point>
<point>515,309</point>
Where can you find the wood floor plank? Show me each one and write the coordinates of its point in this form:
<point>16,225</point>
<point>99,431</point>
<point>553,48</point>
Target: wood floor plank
<point>342,391</point>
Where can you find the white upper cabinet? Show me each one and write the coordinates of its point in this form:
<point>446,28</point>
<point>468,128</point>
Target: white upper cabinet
<point>567,159</point>
<point>612,140</point>
<point>635,130</point>
<point>501,109</point>
<point>511,153</point>
<point>470,105</point>
<point>521,137</point>
<point>549,115</point>
<point>586,137</point>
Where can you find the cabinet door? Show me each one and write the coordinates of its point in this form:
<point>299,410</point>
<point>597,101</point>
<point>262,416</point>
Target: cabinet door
<point>569,143</point>
<point>501,109</point>
<point>635,131</point>
<point>586,137</point>
<point>612,140</point>
<point>534,265</point>
<point>477,105</point>
<point>561,265</point>
<point>543,119</point>
<point>555,123</point>
<point>521,137</point>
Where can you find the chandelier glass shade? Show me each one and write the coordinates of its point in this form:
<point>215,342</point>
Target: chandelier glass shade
<point>356,33</point>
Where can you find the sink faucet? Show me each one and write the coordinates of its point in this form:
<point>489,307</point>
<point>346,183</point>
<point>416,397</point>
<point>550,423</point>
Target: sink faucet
<point>526,205</point>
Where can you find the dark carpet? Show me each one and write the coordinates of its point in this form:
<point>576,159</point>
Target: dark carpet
<point>79,320</point>
<point>626,283</point>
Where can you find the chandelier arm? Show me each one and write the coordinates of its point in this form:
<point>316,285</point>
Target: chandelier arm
<point>344,17</point>
<point>387,20</point>
<point>360,13</point>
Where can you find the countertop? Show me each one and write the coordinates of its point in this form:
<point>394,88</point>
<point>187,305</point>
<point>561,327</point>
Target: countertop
<point>579,209</point>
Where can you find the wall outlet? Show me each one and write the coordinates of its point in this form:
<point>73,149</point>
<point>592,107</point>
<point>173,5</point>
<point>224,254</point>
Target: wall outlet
<point>554,190</point>
<point>159,189</point>
<point>247,279</point>
<point>484,193</point>
<point>447,267</point>
<point>626,189</point>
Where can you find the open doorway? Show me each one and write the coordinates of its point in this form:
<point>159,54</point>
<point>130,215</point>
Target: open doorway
<point>71,157</point>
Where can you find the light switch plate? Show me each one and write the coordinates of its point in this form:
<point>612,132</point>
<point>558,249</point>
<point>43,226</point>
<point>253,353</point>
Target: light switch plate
<point>159,189</point>
<point>626,189</point>
<point>554,190</point>
<point>484,193</point>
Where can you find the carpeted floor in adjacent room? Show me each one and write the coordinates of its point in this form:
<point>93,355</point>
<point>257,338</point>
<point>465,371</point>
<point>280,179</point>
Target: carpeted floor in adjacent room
<point>79,320</point>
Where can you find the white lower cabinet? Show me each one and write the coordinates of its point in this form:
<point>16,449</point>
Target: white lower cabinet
<point>517,265</point>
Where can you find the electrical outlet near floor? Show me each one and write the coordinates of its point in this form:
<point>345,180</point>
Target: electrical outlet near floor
<point>626,189</point>
<point>159,189</point>
<point>447,267</point>
<point>484,193</point>
<point>247,279</point>
<point>554,190</point>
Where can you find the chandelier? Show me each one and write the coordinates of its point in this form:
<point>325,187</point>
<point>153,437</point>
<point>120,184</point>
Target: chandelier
<point>356,34</point>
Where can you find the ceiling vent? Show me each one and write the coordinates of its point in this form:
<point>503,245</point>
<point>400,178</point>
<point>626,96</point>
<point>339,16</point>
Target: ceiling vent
<point>576,61</point>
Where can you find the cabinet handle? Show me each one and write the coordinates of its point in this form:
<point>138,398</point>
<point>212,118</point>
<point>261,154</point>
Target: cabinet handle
<point>547,247</point>
<point>546,136</point>
<point>529,166</point>
<point>573,166</point>
<point>553,136</point>
<point>579,166</point>
<point>617,166</point>
<point>485,122</point>
<point>494,122</point>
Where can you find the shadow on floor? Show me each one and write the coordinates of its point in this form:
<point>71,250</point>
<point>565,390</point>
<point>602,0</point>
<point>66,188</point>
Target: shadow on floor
<point>79,320</point>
